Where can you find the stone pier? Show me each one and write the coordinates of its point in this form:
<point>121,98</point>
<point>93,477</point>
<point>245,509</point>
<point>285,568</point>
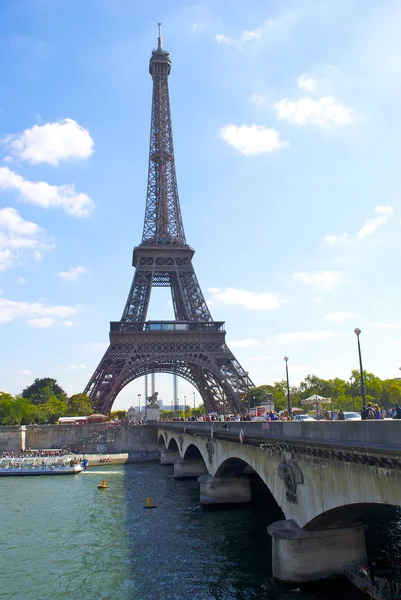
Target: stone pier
<point>168,457</point>
<point>301,556</point>
<point>224,490</point>
<point>189,468</point>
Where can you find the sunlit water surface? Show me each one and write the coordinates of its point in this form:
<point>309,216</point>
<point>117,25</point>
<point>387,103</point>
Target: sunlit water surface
<point>62,538</point>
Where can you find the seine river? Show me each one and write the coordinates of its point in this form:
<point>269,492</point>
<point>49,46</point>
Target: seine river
<point>62,538</point>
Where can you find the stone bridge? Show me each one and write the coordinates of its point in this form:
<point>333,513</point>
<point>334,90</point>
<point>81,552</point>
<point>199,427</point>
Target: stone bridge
<point>321,474</point>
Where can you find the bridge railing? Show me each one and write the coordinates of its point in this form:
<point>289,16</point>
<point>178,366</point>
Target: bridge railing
<point>381,435</point>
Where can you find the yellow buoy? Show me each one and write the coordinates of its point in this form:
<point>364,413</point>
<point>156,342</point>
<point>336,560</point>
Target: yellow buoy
<point>103,485</point>
<point>149,504</point>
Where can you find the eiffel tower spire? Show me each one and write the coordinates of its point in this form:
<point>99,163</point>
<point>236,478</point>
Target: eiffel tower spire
<point>163,222</point>
<point>193,345</point>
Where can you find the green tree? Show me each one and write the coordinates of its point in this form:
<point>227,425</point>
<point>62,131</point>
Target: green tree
<point>391,392</point>
<point>118,414</point>
<point>50,411</point>
<point>14,411</point>
<point>42,390</point>
<point>79,405</point>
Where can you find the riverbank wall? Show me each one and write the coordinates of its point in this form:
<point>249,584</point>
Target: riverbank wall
<point>93,438</point>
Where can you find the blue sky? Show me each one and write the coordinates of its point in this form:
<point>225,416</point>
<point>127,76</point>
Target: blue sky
<point>286,120</point>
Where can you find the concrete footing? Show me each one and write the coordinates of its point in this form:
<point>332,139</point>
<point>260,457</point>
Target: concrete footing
<point>224,490</point>
<point>301,556</point>
<point>168,457</point>
<point>189,468</point>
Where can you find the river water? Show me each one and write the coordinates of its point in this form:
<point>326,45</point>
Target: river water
<point>62,538</point>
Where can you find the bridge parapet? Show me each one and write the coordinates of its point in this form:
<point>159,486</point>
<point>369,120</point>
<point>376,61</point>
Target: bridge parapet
<point>381,436</point>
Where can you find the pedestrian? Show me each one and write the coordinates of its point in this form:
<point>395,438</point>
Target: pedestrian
<point>397,411</point>
<point>370,413</point>
<point>340,415</point>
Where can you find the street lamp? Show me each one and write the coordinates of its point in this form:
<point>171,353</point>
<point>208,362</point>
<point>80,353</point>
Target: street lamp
<point>139,398</point>
<point>357,331</point>
<point>288,388</point>
<point>249,391</point>
<point>185,407</point>
<point>194,400</point>
<point>351,381</point>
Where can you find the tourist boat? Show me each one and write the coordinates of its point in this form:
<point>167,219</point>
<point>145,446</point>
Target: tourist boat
<point>39,465</point>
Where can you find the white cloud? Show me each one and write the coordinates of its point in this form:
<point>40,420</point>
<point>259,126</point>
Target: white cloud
<point>384,212</point>
<point>244,38</point>
<point>36,313</point>
<point>18,236</point>
<point>75,367</point>
<point>252,139</point>
<point>339,316</point>
<point>303,336</point>
<point>317,299</point>
<point>244,298</point>
<point>21,280</point>
<point>72,274</point>
<point>322,279</point>
<point>16,371</point>
<point>307,83</point>
<point>326,112</point>
<point>41,322</point>
<point>372,224</point>
<point>46,195</point>
<point>51,143</point>
<point>244,343</point>
<point>271,29</point>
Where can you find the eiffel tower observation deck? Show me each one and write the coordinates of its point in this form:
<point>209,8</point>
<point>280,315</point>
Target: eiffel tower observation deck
<point>193,345</point>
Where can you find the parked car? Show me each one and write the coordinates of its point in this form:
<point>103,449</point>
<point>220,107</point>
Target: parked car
<point>303,418</point>
<point>352,416</point>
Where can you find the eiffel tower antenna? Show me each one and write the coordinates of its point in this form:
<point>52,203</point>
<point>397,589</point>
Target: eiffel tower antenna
<point>193,345</point>
<point>159,39</point>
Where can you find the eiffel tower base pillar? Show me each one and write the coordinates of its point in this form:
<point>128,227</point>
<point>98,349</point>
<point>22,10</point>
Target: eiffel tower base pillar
<point>168,457</point>
<point>189,468</point>
<point>224,490</point>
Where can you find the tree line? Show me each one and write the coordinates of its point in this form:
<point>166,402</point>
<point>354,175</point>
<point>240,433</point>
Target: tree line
<point>42,402</point>
<point>343,394</point>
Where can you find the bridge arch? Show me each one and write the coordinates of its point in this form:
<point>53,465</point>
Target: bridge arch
<point>172,445</point>
<point>192,452</point>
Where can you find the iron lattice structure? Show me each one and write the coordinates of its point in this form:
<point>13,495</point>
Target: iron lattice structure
<point>193,345</point>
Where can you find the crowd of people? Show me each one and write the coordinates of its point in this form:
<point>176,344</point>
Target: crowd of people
<point>368,412</point>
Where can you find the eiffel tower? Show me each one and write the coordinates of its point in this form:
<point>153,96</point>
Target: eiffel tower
<point>193,345</point>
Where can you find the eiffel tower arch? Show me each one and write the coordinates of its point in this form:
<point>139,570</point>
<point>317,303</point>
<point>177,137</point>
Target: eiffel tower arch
<point>193,345</point>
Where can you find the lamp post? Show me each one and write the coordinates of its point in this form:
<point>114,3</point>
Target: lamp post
<point>185,408</point>
<point>139,401</point>
<point>288,388</point>
<point>249,391</point>
<point>357,331</point>
<point>194,401</point>
<point>351,381</point>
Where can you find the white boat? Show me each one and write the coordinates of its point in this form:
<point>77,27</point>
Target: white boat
<point>40,465</point>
